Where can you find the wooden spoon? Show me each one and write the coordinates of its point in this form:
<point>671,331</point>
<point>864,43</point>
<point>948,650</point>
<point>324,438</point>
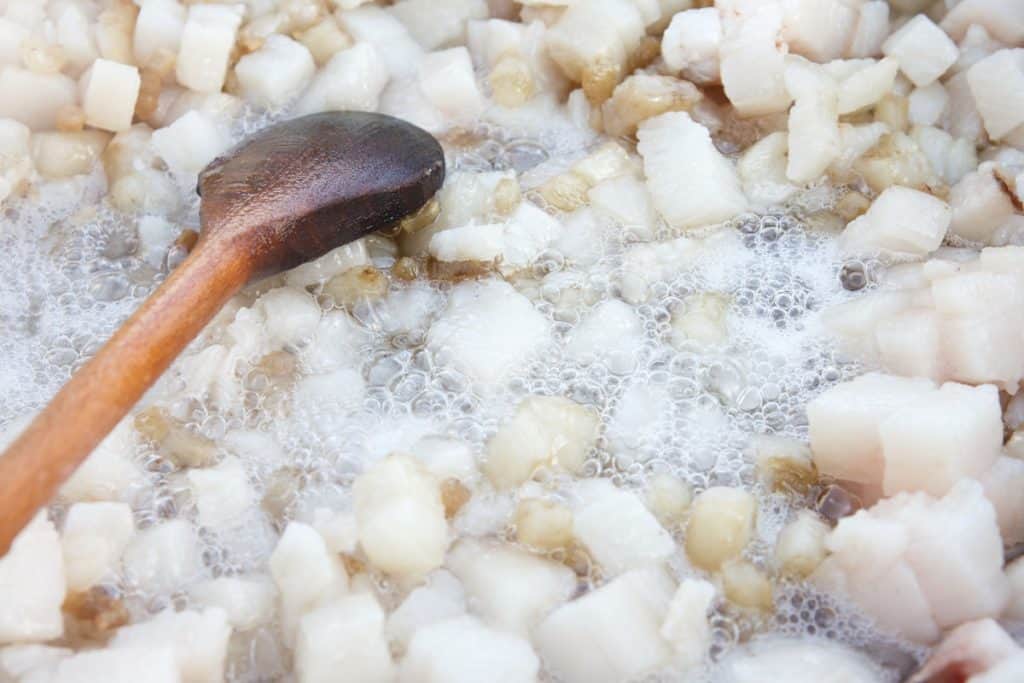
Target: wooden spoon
<point>289,194</point>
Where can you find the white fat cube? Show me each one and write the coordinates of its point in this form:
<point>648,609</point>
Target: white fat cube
<point>934,441</point>
<point>955,551</point>
<point>158,27</point>
<point>866,86</point>
<point>753,59</point>
<point>628,202</point>
<point>463,650</point>
<point>510,588</point>
<point>611,334</point>
<point>345,635</point>
<point>819,29</point>
<point>468,243</point>
<point>617,529</point>
<point>50,93</point>
<point>247,601</point>
<point>32,574</point>
<point>910,343</point>
<point>844,422</point>
<point>800,547</point>
<point>449,83</point>
<point>526,235</point>
<point>721,525</point>
<point>610,634</point>
<point>923,50</point>
<point>93,538</point>
<point>927,105</point>
<point>1002,20</point>
<point>871,31</point>
<point>690,181</point>
<point>686,626</point>
<point>545,430</point>
<point>763,170</point>
<point>117,665</point>
<point>980,205</point>
<point>400,516</point>
<point>190,143</point>
<point>163,558</point>
<point>690,44</point>
<point>199,641</point>
<point>353,79</point>
<point>814,140</point>
<point>436,24</point>
<point>900,221</point>
<point>442,598</point>
<point>1002,483</point>
<point>292,316</point>
<point>206,44</point>
<point>109,92</point>
<point>797,660</point>
<point>487,331</point>
<point>277,72</point>
<point>307,574</point>
<point>332,263</point>
<point>334,342</point>
<point>374,25</point>
<point>109,473</point>
<point>222,493</point>
<point>64,154</point>
<point>996,83</point>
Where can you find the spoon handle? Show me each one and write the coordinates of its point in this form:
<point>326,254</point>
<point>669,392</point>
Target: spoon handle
<point>102,392</point>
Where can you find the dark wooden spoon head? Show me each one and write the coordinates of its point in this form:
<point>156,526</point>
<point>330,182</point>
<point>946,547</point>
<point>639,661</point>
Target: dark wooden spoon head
<point>296,190</point>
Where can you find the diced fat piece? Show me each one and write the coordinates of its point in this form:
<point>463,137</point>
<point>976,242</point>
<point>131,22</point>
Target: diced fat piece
<point>463,650</point>
<point>306,573</point>
<point>345,635</point>
<point>109,92</point>
<point>923,50</point>
<point>163,557</point>
<point>962,118</point>
<point>442,598</point>
<point>966,651</point>
<point>997,83</point>
<point>448,81</point>
<point>721,525</point>
<point>468,243</point>
<point>1002,484</point>
<point>955,551</point>
<point>867,86</point>
<point>487,331</point>
<point>592,40</point>
<point>901,221</point>
<point>814,140</point>
<point>50,93</point>
<point>980,205</point>
<point>617,529</point>
<point>222,493</point>
<point>247,602</point>
<point>686,625</point>
<point>275,73</point>
<point>510,588</point>
<point>690,44</point>
<point>1003,19</point>
<point>527,233</point>
<point>66,154</point>
<point>93,538</point>
<point>336,261</point>
<point>400,517</point>
<point>800,547</point>
<point>910,343</point>
<point>867,565</point>
<point>199,641</point>
<point>819,29</point>
<point>610,634</point>
<point>109,473</point>
<point>375,26</point>
<point>940,438</point>
<point>872,29</point>
<point>763,170</point>
<point>844,424</point>
<point>190,143</point>
<point>927,104</point>
<point>119,665</point>
<point>544,431</point>
<point>797,660</point>
<point>691,182</point>
<point>291,315</point>
<point>353,79</point>
<point>158,26</point>
<point>206,44</point>
<point>611,334</point>
<point>437,24</point>
<point>753,60</point>
<point>32,574</point>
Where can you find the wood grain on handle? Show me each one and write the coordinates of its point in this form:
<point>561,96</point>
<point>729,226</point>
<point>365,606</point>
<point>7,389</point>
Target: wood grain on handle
<point>102,392</point>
